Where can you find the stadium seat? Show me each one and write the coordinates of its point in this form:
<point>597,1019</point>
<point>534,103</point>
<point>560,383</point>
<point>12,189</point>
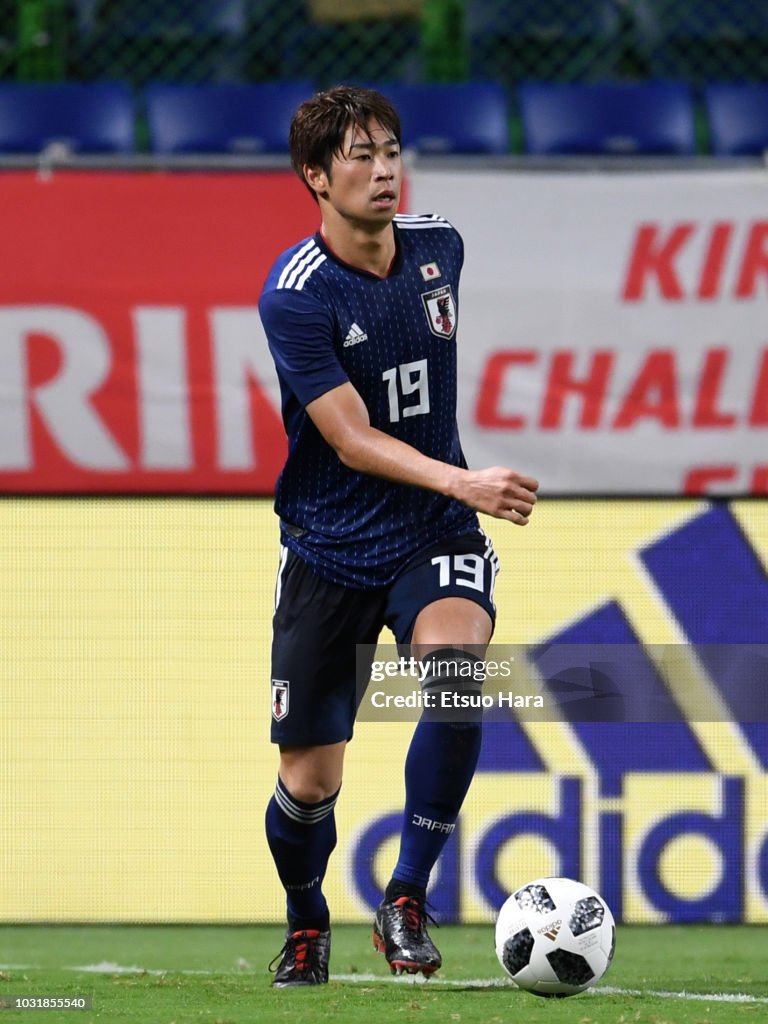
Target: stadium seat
<point>703,40</point>
<point>607,118</point>
<point>737,114</point>
<point>513,40</point>
<point>95,118</point>
<point>222,118</point>
<point>456,117</point>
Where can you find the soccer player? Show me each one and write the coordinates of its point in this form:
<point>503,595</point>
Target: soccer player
<point>377,514</point>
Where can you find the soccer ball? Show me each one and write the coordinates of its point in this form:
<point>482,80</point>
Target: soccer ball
<point>555,937</point>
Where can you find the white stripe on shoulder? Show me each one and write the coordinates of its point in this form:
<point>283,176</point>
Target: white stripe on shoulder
<point>319,258</point>
<point>418,216</point>
<point>296,264</point>
<point>409,221</point>
<point>300,266</point>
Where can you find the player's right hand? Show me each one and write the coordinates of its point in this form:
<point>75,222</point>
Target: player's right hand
<point>498,491</point>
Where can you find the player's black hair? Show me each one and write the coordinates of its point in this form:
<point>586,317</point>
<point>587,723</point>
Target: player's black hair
<point>320,124</point>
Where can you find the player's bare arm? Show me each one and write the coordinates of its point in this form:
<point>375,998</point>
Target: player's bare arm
<point>342,418</point>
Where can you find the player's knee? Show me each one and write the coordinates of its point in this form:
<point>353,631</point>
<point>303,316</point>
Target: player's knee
<point>453,687</point>
<point>307,777</point>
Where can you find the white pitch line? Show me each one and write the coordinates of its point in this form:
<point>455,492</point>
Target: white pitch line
<point>599,990</point>
<point>702,997</point>
<point>420,979</point>
<point>108,967</point>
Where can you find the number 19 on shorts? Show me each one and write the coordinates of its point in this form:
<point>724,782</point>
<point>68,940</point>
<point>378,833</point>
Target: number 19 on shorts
<point>460,570</point>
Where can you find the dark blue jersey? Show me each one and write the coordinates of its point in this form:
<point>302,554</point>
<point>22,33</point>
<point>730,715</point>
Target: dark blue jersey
<point>394,339</point>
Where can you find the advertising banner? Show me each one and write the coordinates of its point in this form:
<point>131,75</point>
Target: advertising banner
<point>137,706</point>
<point>131,351</point>
<point>612,332</point>
<point>613,336</point>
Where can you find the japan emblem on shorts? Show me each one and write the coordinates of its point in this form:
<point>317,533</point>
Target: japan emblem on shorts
<point>441,311</point>
<point>279,699</point>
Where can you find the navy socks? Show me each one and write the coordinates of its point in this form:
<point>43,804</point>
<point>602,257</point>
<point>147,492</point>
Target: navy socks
<point>439,768</point>
<point>301,837</point>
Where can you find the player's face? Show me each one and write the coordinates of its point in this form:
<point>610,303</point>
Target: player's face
<point>366,175</point>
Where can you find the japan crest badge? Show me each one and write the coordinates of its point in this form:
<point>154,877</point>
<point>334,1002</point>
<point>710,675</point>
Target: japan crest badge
<point>441,311</point>
<point>279,699</point>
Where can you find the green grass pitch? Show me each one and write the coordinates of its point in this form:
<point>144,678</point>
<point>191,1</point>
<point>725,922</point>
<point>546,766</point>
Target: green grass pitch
<point>218,975</point>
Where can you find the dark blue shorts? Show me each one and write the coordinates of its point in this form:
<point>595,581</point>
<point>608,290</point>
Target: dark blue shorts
<point>318,625</point>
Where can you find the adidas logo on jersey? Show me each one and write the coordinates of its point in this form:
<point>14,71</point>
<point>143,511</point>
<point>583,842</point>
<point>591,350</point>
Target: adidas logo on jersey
<point>355,335</point>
